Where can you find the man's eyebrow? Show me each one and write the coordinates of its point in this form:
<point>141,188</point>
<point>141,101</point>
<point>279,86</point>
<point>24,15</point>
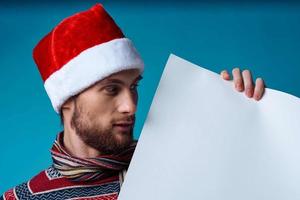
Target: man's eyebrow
<point>111,80</point>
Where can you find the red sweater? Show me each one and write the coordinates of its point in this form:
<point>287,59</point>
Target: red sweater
<point>49,184</point>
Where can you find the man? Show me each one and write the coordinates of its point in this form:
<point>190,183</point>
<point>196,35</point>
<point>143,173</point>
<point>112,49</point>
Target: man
<point>91,73</point>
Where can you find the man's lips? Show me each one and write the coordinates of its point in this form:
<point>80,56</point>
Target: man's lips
<point>123,126</point>
<point>124,123</point>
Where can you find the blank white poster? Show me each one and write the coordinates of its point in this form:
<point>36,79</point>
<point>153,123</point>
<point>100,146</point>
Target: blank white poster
<point>204,140</point>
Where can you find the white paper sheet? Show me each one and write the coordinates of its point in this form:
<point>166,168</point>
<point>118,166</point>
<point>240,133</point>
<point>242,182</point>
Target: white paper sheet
<point>204,140</point>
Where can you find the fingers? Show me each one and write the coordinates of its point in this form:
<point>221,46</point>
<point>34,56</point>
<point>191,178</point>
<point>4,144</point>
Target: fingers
<point>237,79</point>
<point>248,83</point>
<point>243,82</point>
<point>259,89</point>
<point>225,75</point>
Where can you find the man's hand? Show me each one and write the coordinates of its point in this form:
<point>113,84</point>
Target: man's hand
<point>243,82</point>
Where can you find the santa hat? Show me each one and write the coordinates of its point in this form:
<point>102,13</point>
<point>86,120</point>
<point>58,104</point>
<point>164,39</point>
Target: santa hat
<point>81,50</point>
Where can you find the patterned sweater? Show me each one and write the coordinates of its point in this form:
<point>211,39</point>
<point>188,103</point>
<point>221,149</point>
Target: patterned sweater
<point>50,185</point>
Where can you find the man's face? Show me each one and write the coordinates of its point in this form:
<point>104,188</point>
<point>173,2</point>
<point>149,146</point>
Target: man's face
<point>104,114</point>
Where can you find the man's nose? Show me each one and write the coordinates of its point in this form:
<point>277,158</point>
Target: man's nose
<point>127,103</point>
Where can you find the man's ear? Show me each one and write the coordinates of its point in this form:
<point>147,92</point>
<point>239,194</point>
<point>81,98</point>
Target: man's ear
<point>66,110</point>
<point>69,104</point>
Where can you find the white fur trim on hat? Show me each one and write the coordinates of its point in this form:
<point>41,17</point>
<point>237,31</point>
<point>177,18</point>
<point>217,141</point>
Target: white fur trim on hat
<point>90,66</point>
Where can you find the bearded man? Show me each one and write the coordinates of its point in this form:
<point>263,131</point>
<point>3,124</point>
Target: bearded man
<point>91,72</point>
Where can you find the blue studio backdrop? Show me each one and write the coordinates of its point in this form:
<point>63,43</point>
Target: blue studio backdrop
<point>262,36</point>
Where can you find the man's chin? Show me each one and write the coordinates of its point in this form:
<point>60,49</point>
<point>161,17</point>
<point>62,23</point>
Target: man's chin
<point>123,138</point>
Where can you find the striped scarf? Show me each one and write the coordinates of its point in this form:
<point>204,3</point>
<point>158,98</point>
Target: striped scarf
<point>88,169</point>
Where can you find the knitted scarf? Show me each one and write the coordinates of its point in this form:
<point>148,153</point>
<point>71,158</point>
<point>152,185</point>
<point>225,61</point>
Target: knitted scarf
<point>88,169</point>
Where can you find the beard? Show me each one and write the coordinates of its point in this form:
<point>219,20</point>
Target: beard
<point>98,137</point>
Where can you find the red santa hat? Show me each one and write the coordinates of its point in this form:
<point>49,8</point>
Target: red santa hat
<point>81,50</point>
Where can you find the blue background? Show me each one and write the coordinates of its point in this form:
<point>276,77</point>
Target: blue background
<point>261,36</point>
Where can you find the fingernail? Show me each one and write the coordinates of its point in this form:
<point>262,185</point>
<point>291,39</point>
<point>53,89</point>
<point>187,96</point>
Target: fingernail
<point>248,92</point>
<point>239,87</point>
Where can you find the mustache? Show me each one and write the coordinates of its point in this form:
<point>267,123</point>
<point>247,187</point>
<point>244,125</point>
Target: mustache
<point>125,119</point>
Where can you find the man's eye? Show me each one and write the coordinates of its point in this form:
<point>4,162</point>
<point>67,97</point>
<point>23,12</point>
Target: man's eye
<point>112,89</point>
